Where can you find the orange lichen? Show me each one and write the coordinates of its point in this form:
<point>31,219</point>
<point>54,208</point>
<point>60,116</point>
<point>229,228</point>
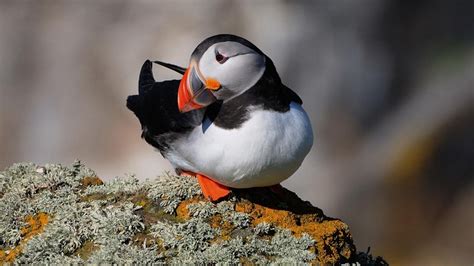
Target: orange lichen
<point>225,227</point>
<point>182,209</point>
<point>9,255</point>
<point>333,241</point>
<point>331,235</point>
<point>35,225</point>
<point>325,232</point>
<point>216,221</point>
<point>91,181</point>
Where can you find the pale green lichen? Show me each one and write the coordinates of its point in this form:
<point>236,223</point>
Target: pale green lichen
<point>189,242</point>
<point>56,190</point>
<point>117,252</point>
<point>226,209</point>
<point>190,236</point>
<point>27,189</point>
<point>131,223</point>
<point>126,185</point>
<point>170,192</point>
<point>264,229</point>
<point>203,209</point>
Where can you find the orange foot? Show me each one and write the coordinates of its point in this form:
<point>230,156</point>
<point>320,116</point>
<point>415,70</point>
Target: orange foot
<point>210,188</point>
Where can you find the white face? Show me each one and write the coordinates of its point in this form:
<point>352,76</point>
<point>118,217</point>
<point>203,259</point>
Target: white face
<point>235,66</point>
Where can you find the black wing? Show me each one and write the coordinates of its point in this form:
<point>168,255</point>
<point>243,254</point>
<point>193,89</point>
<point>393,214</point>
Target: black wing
<point>157,110</point>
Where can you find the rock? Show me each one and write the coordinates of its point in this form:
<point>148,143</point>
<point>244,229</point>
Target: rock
<point>68,215</point>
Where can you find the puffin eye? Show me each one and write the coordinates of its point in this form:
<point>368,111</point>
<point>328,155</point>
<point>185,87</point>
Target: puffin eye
<point>220,58</point>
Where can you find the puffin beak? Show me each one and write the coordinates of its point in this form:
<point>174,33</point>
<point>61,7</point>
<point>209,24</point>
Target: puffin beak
<point>193,93</point>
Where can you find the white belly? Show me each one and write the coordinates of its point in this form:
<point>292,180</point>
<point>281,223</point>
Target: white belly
<point>264,151</point>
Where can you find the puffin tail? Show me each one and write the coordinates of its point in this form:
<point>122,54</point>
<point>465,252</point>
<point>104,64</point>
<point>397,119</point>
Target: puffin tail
<point>145,83</point>
<point>146,79</point>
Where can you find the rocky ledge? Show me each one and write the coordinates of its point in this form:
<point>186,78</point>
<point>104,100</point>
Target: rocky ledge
<point>59,214</point>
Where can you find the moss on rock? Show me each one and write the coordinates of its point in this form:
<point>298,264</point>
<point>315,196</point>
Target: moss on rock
<point>58,214</point>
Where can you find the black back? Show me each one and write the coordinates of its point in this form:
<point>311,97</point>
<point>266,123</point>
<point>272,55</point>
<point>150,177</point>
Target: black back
<point>157,109</point>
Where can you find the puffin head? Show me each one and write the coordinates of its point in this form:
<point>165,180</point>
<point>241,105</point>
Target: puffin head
<point>221,67</point>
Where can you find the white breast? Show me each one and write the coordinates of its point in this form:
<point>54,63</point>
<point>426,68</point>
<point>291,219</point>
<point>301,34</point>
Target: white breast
<point>264,151</point>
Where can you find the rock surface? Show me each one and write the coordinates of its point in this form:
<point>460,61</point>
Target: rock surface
<point>58,214</point>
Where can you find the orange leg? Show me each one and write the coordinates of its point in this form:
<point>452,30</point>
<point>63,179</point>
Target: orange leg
<point>210,188</point>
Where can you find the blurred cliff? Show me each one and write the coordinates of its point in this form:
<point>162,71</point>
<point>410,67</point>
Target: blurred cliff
<point>388,86</point>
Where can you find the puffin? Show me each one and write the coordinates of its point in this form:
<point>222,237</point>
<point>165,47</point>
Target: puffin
<point>230,121</point>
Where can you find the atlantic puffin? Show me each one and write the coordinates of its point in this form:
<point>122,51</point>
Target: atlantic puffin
<point>229,121</point>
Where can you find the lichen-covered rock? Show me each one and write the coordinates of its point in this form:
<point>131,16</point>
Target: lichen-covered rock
<point>58,214</point>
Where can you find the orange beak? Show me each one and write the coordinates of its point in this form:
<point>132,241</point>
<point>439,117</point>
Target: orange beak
<point>193,93</point>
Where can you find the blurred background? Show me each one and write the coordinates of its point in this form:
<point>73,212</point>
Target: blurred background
<point>389,87</point>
